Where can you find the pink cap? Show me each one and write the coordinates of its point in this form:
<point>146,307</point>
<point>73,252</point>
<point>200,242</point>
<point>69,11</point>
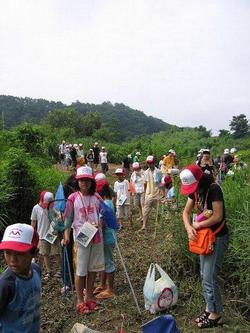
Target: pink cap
<point>84,172</point>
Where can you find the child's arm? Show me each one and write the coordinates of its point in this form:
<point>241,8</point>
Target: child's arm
<point>34,224</point>
<point>7,292</point>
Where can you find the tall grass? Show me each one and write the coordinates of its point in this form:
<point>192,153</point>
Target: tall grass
<point>237,200</point>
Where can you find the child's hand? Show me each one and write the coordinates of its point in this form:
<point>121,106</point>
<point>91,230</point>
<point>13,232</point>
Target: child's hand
<point>65,241</point>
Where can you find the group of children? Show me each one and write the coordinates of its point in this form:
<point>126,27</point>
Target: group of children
<point>91,206</point>
<point>74,155</point>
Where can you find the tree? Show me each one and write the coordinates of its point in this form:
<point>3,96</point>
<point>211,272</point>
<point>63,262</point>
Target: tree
<point>204,132</point>
<point>239,126</point>
<point>223,132</point>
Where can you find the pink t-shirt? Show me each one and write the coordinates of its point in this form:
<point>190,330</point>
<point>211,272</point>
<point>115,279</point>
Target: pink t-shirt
<point>83,208</point>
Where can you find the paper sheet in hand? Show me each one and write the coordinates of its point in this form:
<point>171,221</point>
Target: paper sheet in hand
<point>86,234</point>
<point>122,200</point>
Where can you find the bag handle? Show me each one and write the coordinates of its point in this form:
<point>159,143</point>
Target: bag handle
<point>151,272</point>
<point>164,274</point>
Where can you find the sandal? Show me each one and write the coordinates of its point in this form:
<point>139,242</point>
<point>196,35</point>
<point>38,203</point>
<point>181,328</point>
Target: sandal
<point>201,317</point>
<point>82,308</point>
<point>92,306</point>
<point>105,294</point>
<point>98,289</point>
<point>210,323</point>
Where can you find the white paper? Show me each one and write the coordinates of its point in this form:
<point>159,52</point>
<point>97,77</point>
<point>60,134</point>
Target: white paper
<point>122,199</point>
<point>50,237</point>
<point>87,232</point>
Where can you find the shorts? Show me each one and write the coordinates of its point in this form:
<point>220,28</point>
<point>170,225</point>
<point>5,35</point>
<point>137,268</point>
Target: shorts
<point>104,167</point>
<point>123,211</point>
<point>149,203</point>
<point>109,259</point>
<point>139,199</point>
<point>89,259</point>
<point>47,249</point>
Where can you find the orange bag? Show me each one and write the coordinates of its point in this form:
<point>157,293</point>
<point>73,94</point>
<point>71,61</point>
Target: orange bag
<point>205,239</point>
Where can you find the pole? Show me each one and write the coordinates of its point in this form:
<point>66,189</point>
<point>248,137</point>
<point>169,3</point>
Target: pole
<point>127,276</point>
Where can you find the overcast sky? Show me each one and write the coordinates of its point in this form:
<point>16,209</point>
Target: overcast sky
<point>184,61</point>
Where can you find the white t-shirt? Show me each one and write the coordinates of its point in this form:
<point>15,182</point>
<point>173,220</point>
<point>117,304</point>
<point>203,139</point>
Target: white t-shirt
<point>40,215</point>
<point>103,157</point>
<point>122,190</point>
<point>138,179</point>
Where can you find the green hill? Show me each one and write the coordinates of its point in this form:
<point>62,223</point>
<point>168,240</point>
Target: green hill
<point>124,120</point>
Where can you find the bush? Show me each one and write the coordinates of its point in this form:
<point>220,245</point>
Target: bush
<point>19,187</point>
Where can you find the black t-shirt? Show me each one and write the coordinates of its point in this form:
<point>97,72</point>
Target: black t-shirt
<point>215,194</point>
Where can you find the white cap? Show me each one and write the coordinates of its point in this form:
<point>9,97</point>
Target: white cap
<point>96,143</point>
<point>100,176</point>
<point>80,145</point>
<point>75,145</point>
<point>136,165</point>
<point>226,151</point>
<point>129,155</point>
<point>119,171</point>
<point>171,151</point>
<point>150,159</point>
<point>138,153</point>
<point>48,197</point>
<point>103,147</point>
<point>233,150</point>
<point>19,237</point>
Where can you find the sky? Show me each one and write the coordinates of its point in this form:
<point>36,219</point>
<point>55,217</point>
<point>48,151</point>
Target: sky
<point>186,62</point>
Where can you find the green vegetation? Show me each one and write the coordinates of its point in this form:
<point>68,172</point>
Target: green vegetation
<point>28,164</point>
<point>116,122</point>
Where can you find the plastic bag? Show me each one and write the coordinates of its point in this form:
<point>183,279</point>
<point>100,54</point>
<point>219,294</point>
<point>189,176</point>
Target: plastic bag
<point>161,294</point>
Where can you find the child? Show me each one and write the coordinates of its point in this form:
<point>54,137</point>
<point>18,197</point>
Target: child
<point>109,239</point>
<point>83,206</point>
<point>121,188</point>
<point>167,188</point>
<point>138,180</point>
<point>40,222</point>
<point>20,283</point>
<point>90,158</point>
<point>152,181</point>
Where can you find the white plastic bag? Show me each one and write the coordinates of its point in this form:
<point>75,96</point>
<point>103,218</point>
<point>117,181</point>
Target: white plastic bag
<point>161,294</point>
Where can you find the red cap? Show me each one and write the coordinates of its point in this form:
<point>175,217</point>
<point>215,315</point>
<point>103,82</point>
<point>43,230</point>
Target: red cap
<point>168,180</point>
<point>190,178</point>
<point>19,237</point>
<point>45,198</point>
<point>100,184</point>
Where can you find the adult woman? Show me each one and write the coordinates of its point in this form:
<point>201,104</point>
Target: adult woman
<point>203,194</point>
<point>206,163</point>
